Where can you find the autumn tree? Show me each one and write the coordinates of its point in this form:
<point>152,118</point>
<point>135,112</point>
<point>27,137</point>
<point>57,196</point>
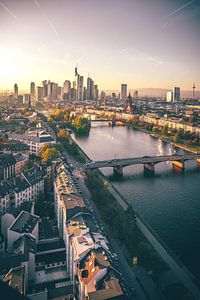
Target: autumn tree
<point>48,152</point>
<point>62,133</point>
<point>81,125</point>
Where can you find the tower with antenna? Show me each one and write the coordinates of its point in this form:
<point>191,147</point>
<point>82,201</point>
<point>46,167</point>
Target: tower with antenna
<point>193,91</point>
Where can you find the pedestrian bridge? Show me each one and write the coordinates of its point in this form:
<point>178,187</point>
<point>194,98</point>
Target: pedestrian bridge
<point>148,161</point>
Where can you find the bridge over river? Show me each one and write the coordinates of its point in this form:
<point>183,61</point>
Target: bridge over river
<point>149,162</point>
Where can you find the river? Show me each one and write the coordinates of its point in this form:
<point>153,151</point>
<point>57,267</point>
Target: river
<point>168,200</point>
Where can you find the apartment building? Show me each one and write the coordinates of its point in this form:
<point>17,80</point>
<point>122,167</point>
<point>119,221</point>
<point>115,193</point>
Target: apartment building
<point>35,142</point>
<point>24,188</point>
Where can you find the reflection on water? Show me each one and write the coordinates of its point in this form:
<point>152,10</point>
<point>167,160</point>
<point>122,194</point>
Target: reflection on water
<point>169,200</point>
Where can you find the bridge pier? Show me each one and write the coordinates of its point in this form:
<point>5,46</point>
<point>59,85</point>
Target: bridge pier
<point>118,171</point>
<point>178,164</point>
<point>149,168</point>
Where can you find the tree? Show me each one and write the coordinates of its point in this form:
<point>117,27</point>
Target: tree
<point>57,114</point>
<point>48,152</point>
<point>50,119</point>
<point>81,125</point>
<point>62,133</point>
<point>67,116</point>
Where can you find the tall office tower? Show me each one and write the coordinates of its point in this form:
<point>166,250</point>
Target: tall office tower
<point>113,96</point>
<point>15,90</point>
<point>79,84</point>
<point>27,100</point>
<point>169,96</point>
<point>96,92</point>
<point>45,88</point>
<point>40,93</point>
<point>90,89</point>
<point>135,94</point>
<point>49,88</point>
<point>59,92</point>
<point>103,95</point>
<point>53,91</point>
<point>84,93</point>
<point>73,94</point>
<point>123,91</point>
<point>20,100</point>
<point>193,90</point>
<point>67,90</point>
<point>80,87</point>
<point>73,91</point>
<point>177,94</point>
<point>32,89</point>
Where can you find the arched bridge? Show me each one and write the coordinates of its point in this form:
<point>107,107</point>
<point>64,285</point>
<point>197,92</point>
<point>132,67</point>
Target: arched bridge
<point>148,161</point>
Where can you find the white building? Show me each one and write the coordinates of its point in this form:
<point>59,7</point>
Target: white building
<point>169,96</point>
<point>35,142</point>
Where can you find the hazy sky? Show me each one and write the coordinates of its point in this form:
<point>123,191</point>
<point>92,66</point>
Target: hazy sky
<point>144,43</point>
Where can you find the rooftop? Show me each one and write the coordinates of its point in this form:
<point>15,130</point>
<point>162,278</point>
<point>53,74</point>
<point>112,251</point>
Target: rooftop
<point>15,278</point>
<point>64,182</point>
<point>50,258</point>
<point>34,138</point>
<point>82,242</point>
<point>47,229</point>
<point>96,273</point>
<point>20,157</point>
<point>71,201</point>
<point>6,159</point>
<point>25,223</point>
<point>50,245</point>
<point>110,290</point>
<point>92,263</point>
<point>16,146</point>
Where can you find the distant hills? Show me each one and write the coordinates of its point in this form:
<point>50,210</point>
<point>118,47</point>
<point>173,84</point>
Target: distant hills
<point>156,92</point>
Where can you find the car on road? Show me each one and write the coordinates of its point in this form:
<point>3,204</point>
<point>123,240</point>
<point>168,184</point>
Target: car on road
<point>114,255</point>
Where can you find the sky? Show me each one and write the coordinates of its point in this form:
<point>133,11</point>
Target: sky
<point>144,43</point>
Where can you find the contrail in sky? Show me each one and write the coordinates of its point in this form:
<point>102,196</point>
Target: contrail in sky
<point>9,11</point>
<point>47,18</point>
<point>180,8</point>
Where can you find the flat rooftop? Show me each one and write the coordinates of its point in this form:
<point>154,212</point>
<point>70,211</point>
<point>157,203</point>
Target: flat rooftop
<point>25,223</point>
<point>50,258</point>
<point>71,201</point>
<point>50,245</point>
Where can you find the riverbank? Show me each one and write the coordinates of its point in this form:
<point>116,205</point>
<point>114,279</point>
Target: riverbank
<point>190,149</point>
<point>183,275</point>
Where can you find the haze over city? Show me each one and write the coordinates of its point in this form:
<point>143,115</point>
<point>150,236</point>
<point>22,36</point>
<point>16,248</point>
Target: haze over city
<point>143,43</point>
